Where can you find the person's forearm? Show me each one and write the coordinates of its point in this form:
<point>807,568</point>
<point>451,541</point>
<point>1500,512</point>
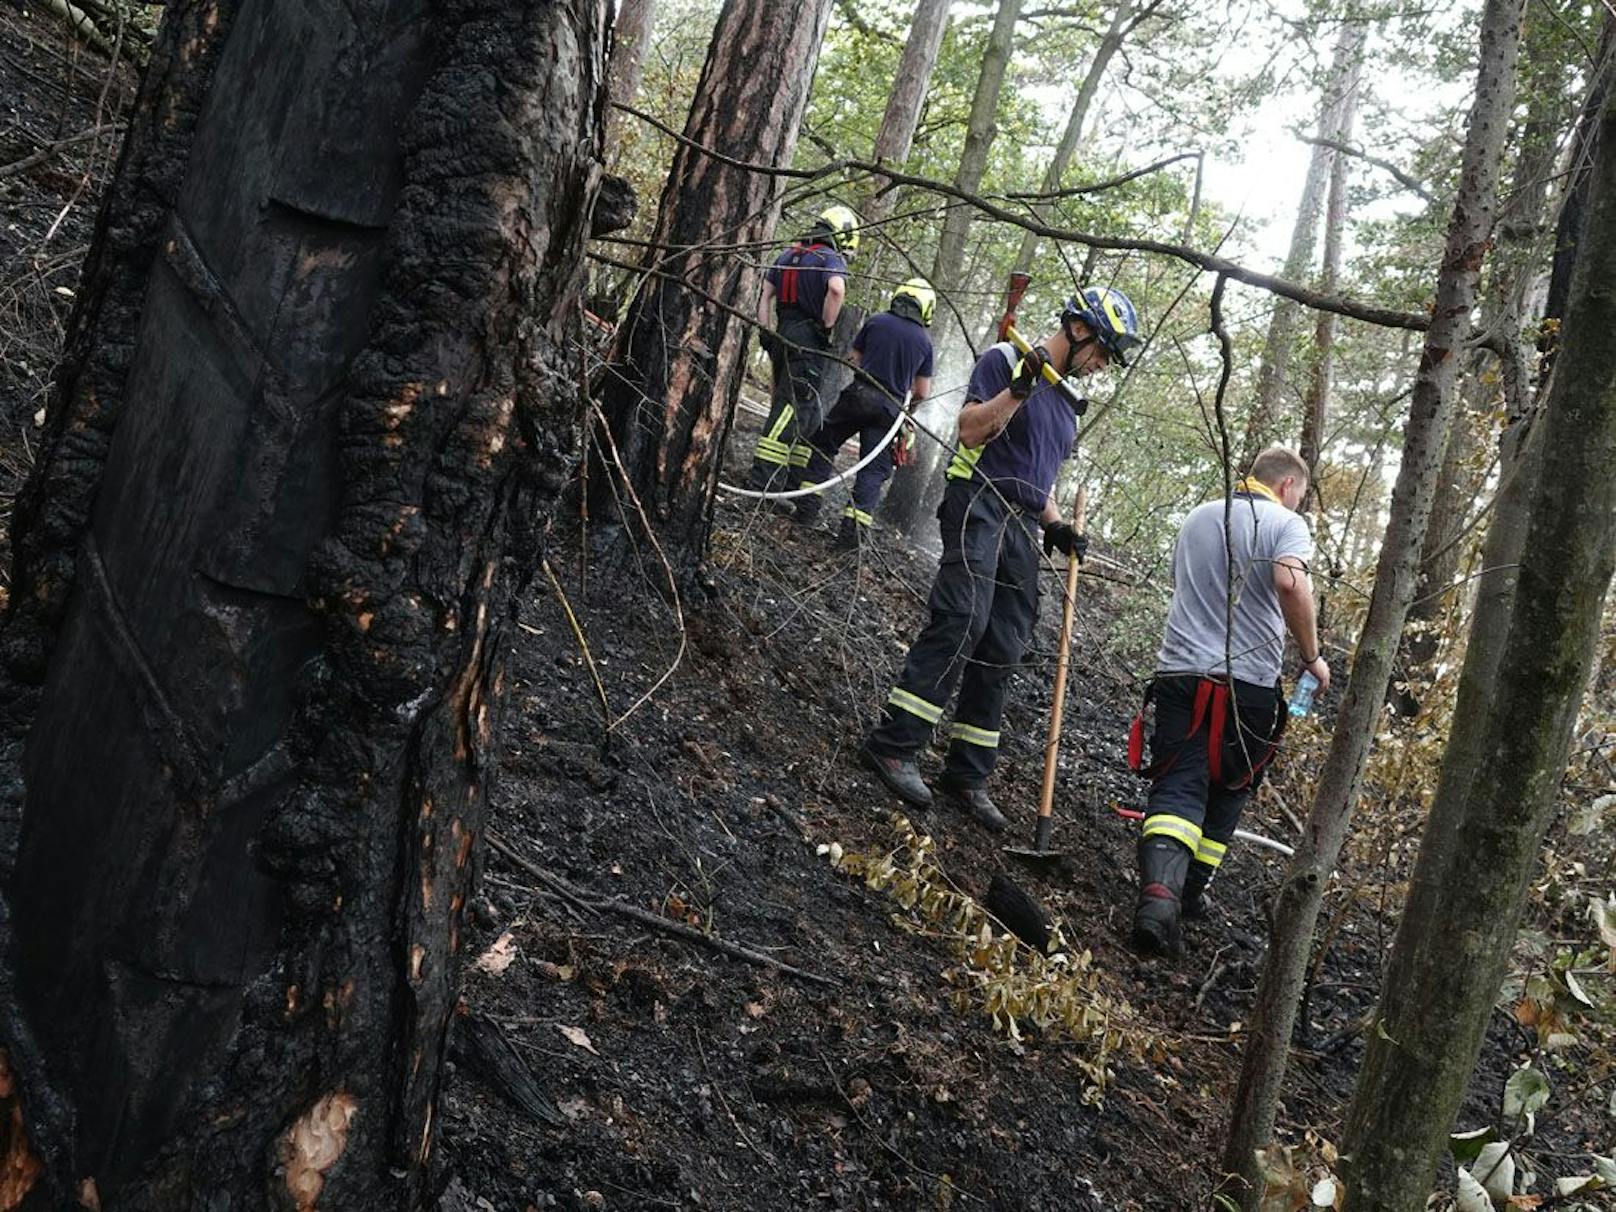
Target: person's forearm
<point>765,310</point>
<point>983,420</point>
<point>1302,620</point>
<point>834,294</point>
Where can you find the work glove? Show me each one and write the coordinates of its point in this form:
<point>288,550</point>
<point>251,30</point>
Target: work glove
<point>1061,535</point>
<point>1031,374</point>
<point>770,343</point>
<point>903,446</point>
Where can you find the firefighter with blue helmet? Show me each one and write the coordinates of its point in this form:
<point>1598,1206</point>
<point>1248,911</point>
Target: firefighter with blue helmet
<point>802,296</point>
<point>1015,431</point>
<point>893,352</point>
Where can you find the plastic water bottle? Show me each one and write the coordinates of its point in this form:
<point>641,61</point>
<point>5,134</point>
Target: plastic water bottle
<point>1302,697</point>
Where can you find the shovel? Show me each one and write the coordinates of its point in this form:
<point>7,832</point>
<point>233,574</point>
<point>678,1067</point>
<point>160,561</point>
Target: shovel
<point>1040,851</point>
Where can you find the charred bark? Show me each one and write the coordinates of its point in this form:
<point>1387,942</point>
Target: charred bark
<point>265,567</point>
<point>671,388</point>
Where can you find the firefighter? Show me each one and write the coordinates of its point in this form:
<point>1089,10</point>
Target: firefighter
<point>1015,430</point>
<point>894,354</point>
<point>802,296</point>
<point>1219,709</point>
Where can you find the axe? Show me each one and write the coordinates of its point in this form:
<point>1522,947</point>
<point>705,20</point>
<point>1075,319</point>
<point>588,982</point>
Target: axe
<point>1019,281</point>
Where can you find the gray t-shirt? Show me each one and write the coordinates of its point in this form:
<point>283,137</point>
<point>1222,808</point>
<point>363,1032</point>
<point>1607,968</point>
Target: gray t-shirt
<point>1262,532</point>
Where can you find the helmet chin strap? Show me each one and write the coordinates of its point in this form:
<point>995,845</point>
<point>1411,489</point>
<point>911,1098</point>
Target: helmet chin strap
<point>1073,345</point>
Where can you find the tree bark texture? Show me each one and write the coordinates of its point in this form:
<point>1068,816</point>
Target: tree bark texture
<point>1122,22</point>
<point>1515,718</point>
<point>979,134</point>
<point>1316,408</point>
<point>1273,371</point>
<point>675,374</point>
<point>307,422</point>
<point>631,35</point>
<point>1296,913</point>
<point>897,133</point>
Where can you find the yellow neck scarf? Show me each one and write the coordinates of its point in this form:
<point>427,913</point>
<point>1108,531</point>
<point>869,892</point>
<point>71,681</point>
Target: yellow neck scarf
<point>1258,489</point>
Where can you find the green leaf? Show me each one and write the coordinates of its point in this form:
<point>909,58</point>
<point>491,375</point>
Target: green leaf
<point>1525,1093</point>
<point>1466,1146</point>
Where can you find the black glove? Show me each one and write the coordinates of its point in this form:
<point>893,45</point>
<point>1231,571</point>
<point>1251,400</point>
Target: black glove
<point>1032,372</point>
<point>1061,535</point>
<point>770,343</point>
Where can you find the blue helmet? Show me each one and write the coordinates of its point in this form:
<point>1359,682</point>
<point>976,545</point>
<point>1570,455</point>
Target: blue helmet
<point>1110,316</point>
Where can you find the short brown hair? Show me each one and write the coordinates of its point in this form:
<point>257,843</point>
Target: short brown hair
<point>1277,462</point>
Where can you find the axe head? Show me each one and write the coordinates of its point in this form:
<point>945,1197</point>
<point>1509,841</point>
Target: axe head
<point>1019,282</point>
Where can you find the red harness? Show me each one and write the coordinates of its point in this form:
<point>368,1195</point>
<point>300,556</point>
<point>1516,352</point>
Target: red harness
<point>788,276</point>
<point>1211,709</point>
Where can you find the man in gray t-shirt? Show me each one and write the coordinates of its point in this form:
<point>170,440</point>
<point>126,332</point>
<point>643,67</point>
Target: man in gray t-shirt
<point>1219,707</point>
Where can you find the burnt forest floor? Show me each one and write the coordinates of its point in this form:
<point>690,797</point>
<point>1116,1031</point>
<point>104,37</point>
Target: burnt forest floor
<point>686,1079</point>
<point>663,1073</point>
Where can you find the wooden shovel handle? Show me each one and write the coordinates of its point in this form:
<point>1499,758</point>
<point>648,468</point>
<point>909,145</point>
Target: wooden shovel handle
<point>1046,798</point>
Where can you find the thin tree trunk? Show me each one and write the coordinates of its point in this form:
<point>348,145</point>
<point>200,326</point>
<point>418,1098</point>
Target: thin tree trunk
<point>1121,24</point>
<point>1296,913</point>
<point>979,135</point>
<point>631,35</point>
<point>904,102</point>
<point>1316,409</point>
<point>1272,373</point>
<point>1513,717</point>
<point>675,374</point>
<point>265,569</point>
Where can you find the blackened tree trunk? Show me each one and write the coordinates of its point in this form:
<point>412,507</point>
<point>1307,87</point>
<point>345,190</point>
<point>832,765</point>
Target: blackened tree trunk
<point>1273,372</point>
<point>675,373</point>
<point>1296,912</point>
<point>1515,714</point>
<point>897,133</point>
<point>264,572</point>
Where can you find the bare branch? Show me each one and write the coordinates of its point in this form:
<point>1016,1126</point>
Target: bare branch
<point>1407,181</point>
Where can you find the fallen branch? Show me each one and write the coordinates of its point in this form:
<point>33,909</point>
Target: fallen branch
<point>35,158</point>
<point>655,921</point>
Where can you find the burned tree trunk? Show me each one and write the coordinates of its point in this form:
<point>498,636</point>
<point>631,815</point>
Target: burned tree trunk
<point>1512,730</point>
<point>674,377</point>
<point>265,568</point>
<point>1251,1121</point>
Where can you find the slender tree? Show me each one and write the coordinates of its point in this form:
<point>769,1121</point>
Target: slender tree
<point>631,35</point>
<point>897,133</point>
<point>1514,717</point>
<point>1316,406</point>
<point>265,567</point>
<point>674,377</point>
<point>1274,1011</point>
<point>1124,20</point>
<point>1273,371</point>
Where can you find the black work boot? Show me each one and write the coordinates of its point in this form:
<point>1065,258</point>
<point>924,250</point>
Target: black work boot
<point>806,512</point>
<point>1196,905</point>
<point>847,538</point>
<point>974,800</point>
<point>900,775</point>
<point>1163,866</point>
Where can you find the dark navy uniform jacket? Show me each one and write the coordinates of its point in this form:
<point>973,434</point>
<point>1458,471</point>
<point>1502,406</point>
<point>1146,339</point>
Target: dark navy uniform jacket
<point>800,275</point>
<point>1021,462</point>
<point>894,350</point>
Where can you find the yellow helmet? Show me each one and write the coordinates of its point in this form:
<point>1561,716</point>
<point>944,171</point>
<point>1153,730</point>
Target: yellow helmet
<point>842,224</point>
<point>915,295</point>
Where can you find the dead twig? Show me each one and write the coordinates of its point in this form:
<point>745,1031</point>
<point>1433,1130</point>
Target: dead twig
<point>35,158</point>
<point>654,920</point>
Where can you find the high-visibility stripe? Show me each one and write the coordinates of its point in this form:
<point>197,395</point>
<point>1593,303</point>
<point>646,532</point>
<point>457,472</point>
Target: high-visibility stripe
<point>1211,853</point>
<point>914,705</point>
<point>769,444</point>
<point>771,452</point>
<point>858,515</point>
<point>973,735</point>
<point>1164,824</point>
<point>807,484</point>
<point>800,454</point>
<point>963,464</point>
<point>779,427</point>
